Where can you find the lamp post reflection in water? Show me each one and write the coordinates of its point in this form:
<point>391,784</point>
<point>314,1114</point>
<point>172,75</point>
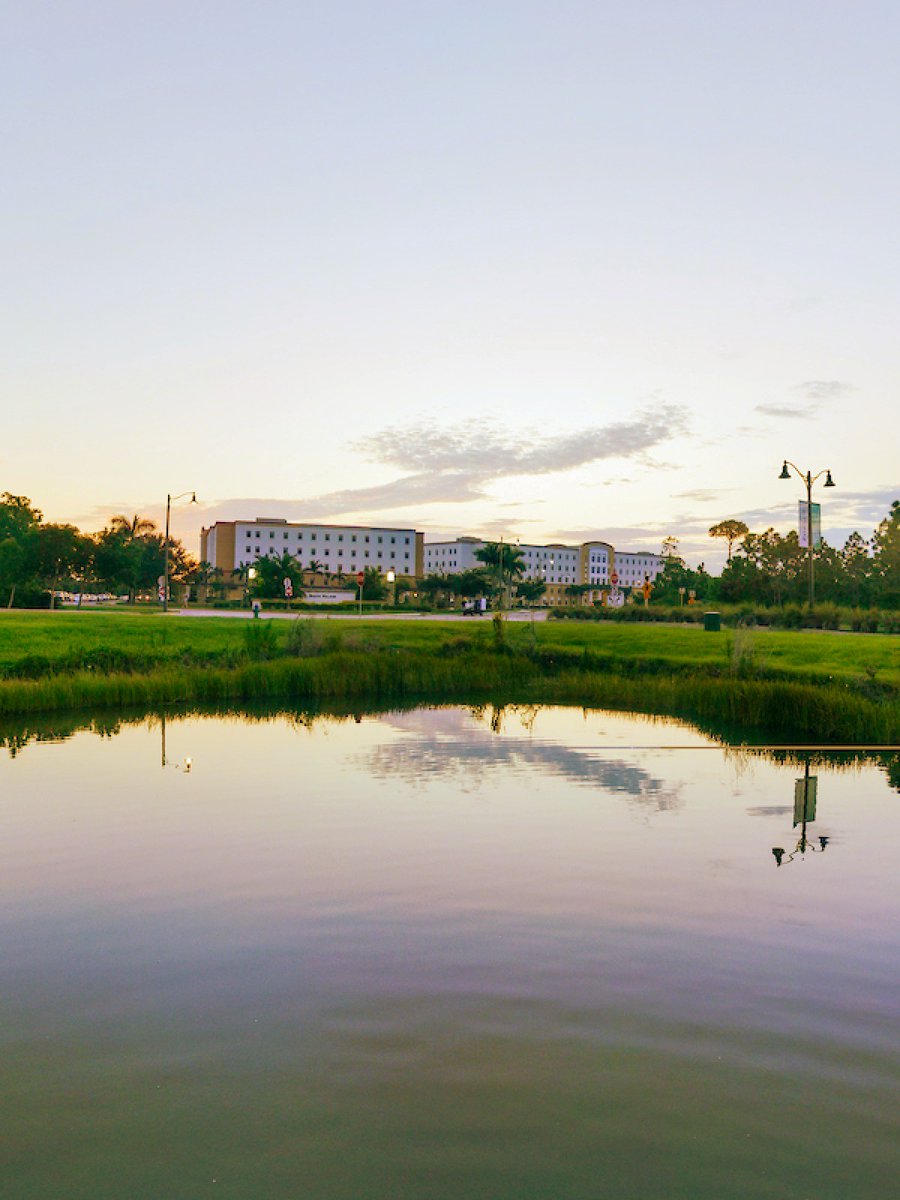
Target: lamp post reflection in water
<point>805,793</point>
<point>164,762</point>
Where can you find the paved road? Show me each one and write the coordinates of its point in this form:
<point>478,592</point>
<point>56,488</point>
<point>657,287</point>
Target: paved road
<point>515,615</point>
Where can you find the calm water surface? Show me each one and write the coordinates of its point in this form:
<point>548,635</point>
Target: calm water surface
<point>444,953</point>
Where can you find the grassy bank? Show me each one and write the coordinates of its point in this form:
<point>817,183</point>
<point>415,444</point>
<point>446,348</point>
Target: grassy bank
<point>818,686</point>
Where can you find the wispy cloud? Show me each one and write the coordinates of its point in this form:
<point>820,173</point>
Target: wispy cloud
<point>480,450</point>
<point>701,495</point>
<point>815,395</point>
<point>445,465</point>
<point>784,410</point>
<point>824,389</point>
<point>842,512</point>
<point>456,464</point>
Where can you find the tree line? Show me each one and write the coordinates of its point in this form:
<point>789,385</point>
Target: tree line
<point>765,569</point>
<point>40,558</point>
<point>770,568</point>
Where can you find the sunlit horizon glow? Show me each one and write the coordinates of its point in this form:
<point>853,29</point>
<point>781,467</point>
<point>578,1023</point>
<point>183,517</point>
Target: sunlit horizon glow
<point>491,269</point>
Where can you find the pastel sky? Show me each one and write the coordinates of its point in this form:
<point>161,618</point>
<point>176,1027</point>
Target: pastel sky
<point>551,270</point>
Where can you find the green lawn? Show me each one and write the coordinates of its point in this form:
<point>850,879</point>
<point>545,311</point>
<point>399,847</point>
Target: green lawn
<point>809,655</point>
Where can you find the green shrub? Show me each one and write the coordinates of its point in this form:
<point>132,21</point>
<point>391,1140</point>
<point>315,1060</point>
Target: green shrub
<point>260,639</point>
<point>304,638</point>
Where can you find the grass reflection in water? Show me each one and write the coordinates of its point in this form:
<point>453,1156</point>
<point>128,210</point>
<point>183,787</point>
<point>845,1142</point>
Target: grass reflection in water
<point>502,951</point>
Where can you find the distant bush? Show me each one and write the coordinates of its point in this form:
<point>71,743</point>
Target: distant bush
<point>789,616</point>
<point>29,597</point>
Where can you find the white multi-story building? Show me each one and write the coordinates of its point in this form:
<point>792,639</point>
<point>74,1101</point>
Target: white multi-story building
<point>347,549</point>
<point>633,569</point>
<point>560,566</point>
<point>555,563</point>
<point>452,558</point>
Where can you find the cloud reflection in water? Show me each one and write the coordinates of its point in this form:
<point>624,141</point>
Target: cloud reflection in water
<point>450,743</point>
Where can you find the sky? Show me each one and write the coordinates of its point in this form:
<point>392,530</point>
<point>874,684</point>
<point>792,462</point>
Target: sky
<point>552,271</point>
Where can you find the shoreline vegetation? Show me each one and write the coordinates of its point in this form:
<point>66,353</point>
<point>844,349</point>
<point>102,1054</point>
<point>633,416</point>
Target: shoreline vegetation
<point>811,686</point>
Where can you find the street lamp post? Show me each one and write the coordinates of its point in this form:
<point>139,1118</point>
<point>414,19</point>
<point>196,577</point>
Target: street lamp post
<point>169,499</point>
<point>808,480</point>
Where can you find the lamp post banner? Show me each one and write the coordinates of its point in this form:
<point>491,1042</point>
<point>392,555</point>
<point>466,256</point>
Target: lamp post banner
<point>805,799</point>
<point>803,525</point>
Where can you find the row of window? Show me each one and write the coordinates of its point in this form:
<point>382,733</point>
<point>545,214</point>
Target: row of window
<point>258,553</point>
<point>326,537</point>
<point>340,550</point>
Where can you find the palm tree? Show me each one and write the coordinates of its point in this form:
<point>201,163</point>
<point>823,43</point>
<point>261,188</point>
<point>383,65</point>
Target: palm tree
<point>577,591</point>
<point>531,590</point>
<point>135,527</point>
<point>126,535</point>
<point>505,562</point>
<point>315,567</point>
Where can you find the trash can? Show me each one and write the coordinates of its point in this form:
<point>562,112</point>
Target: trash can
<point>712,622</point>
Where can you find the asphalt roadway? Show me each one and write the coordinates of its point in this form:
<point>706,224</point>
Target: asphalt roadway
<point>514,615</point>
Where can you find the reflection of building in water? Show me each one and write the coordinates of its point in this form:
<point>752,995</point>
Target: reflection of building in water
<point>805,795</point>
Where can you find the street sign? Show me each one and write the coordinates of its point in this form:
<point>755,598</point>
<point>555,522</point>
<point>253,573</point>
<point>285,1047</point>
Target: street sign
<point>360,578</point>
<point>288,587</point>
<point>614,578</point>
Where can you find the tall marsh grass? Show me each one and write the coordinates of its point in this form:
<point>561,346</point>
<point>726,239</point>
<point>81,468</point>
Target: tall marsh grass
<point>822,712</point>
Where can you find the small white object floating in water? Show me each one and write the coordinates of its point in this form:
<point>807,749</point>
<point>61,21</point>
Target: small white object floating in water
<point>187,764</point>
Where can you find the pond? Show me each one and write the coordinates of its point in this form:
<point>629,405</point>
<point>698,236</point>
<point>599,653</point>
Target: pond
<point>451,952</point>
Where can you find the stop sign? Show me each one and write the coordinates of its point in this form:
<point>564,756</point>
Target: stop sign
<point>614,578</point>
<point>360,578</point>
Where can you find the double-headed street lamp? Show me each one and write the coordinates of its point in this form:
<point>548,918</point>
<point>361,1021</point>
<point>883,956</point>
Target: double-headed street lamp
<point>169,499</point>
<point>808,479</point>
